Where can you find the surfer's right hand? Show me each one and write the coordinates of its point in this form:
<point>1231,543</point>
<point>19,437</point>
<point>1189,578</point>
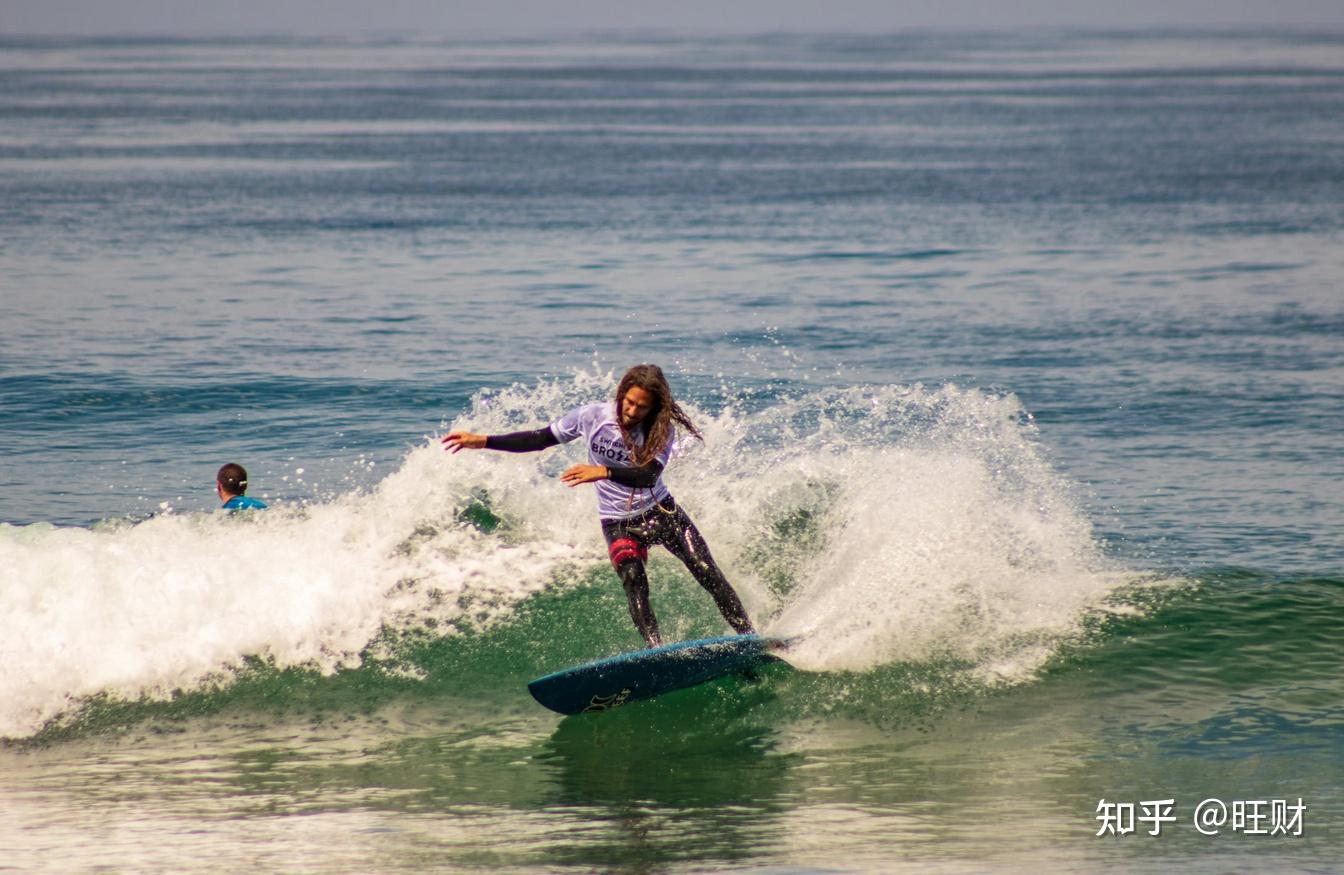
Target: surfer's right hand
<point>455,441</point>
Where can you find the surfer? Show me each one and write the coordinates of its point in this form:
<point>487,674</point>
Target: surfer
<point>231,486</point>
<point>629,442</point>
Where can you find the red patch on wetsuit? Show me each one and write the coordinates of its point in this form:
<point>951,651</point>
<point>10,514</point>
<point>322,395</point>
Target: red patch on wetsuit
<point>625,549</point>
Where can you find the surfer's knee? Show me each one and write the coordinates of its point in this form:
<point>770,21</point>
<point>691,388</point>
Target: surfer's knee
<point>626,551</point>
<point>630,570</point>
<point>707,573</point>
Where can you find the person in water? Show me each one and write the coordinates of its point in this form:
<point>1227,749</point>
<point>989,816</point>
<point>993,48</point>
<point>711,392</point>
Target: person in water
<point>629,442</point>
<point>231,487</point>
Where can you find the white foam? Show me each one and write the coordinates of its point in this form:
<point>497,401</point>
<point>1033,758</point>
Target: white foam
<point>931,526</point>
<point>945,534</point>
<point>169,603</point>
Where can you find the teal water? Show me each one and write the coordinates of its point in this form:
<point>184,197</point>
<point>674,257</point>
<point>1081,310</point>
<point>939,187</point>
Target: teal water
<point>1019,361</point>
<point>902,765</point>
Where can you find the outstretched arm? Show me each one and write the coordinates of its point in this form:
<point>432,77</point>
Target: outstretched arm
<point>539,439</point>
<point>516,442</point>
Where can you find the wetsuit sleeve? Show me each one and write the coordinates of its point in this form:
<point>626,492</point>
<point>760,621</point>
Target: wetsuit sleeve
<point>522,441</point>
<point>641,478</point>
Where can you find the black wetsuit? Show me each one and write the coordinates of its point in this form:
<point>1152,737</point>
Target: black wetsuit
<point>667,525</point>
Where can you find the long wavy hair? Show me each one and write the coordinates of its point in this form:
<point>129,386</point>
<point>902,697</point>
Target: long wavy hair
<point>658,423</point>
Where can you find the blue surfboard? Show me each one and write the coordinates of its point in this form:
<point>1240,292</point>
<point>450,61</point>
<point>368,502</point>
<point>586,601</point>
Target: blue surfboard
<point>643,674</point>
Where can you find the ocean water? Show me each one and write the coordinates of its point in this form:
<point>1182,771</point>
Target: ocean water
<point>1019,359</point>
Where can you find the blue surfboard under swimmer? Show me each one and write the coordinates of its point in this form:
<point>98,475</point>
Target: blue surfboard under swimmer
<point>643,674</point>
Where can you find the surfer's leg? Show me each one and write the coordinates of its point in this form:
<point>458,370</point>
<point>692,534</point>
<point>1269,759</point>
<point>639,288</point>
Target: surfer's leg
<point>636,584</point>
<point>683,540</point>
<point>628,555</point>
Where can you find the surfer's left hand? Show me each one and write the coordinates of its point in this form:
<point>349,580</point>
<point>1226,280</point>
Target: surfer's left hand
<point>583,474</point>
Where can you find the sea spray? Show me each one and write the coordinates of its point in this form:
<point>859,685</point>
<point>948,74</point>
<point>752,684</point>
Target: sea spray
<point>877,523</point>
<point>920,524</point>
<point>880,524</point>
<point>177,601</point>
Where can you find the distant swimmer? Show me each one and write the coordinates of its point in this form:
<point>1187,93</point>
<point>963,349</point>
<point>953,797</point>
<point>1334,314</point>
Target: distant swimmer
<point>629,441</point>
<point>231,486</point>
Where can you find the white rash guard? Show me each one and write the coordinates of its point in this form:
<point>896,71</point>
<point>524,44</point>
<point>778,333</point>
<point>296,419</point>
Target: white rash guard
<point>598,426</point>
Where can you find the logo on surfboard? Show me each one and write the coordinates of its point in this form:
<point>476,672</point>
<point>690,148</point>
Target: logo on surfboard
<point>606,703</point>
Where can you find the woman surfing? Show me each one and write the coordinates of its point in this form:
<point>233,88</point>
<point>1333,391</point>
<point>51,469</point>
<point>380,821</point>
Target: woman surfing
<point>630,440</point>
